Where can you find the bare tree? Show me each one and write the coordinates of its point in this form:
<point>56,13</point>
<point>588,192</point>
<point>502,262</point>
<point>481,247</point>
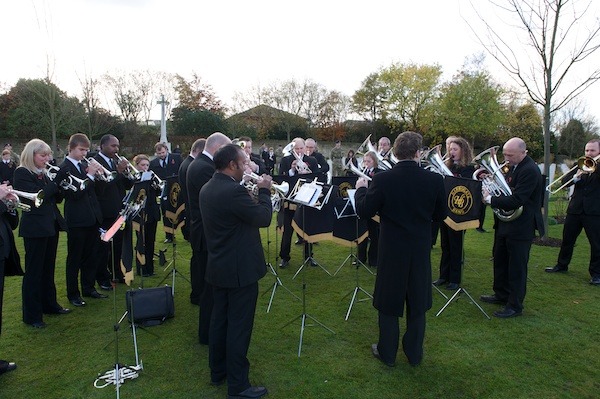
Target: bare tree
<point>553,39</point>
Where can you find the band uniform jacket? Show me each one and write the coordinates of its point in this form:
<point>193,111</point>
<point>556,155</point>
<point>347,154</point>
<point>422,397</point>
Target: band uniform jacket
<point>407,198</point>
<point>199,173</point>
<point>111,194</point>
<point>235,253</point>
<point>12,263</point>
<point>527,189</point>
<point>286,164</point>
<point>81,207</point>
<point>586,194</point>
<point>45,220</point>
<point>170,169</point>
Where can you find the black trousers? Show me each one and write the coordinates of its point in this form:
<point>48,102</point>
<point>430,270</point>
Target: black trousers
<point>205,300</point>
<point>412,341</point>
<point>230,331</point>
<point>286,238</point>
<point>38,290</point>
<point>510,270</point>
<point>108,255</point>
<point>82,245</point>
<point>452,254</point>
<point>571,230</point>
<point>372,243</point>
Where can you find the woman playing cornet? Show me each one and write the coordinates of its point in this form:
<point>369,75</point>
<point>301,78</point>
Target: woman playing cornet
<point>40,229</point>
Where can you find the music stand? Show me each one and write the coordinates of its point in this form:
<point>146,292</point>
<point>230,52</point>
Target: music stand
<point>315,195</point>
<point>312,195</point>
<point>461,289</point>
<point>277,282</point>
<point>172,192</point>
<point>119,374</point>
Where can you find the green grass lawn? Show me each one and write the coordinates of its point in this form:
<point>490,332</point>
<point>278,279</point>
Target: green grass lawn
<point>549,352</point>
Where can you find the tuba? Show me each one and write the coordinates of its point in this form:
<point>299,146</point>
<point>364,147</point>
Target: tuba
<point>435,162</point>
<point>492,179</point>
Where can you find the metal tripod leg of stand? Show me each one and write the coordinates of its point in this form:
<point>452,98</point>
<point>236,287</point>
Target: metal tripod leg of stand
<point>355,292</point>
<point>310,260</point>
<point>456,294</point>
<point>276,283</point>
<point>440,291</point>
<point>303,316</point>
<point>174,272</point>
<point>354,258</point>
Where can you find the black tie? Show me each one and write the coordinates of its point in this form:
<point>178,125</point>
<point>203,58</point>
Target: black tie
<point>80,167</point>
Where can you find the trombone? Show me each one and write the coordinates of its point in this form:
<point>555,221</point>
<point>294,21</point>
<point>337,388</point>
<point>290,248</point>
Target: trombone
<point>103,174</point>
<point>15,203</point>
<point>585,164</point>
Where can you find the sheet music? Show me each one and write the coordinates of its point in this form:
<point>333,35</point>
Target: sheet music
<point>308,194</point>
<point>351,192</point>
<point>146,176</point>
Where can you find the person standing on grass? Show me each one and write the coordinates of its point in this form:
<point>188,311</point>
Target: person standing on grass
<point>407,198</point>
<point>10,264</point>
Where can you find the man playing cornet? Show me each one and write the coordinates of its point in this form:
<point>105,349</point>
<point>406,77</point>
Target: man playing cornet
<point>583,213</point>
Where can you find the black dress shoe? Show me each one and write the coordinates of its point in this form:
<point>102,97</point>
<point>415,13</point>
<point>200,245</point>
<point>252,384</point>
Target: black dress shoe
<point>480,229</point>
<point>284,263</point>
<point>299,242</point>
<point>595,280</point>
<point>507,312</point>
<point>38,324</point>
<point>439,281</point>
<point>96,295</point>
<point>492,299</point>
<point>168,240</point>
<point>375,352</point>
<point>77,302</point>
<point>5,366</point>
<point>556,269</point>
<point>106,287</point>
<point>452,286</point>
<point>217,382</point>
<point>252,392</point>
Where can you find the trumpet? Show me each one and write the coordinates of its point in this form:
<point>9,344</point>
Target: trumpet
<point>103,174</point>
<point>15,203</point>
<point>278,191</point>
<point>157,183</point>
<point>130,172</point>
<point>71,182</point>
<point>584,164</point>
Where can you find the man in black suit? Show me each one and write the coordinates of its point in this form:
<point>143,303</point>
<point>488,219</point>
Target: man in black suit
<point>110,196</point>
<point>83,217</point>
<point>256,164</point>
<point>513,237</point>
<point>310,146</point>
<point>583,213</point>
<point>196,149</point>
<point>407,199</point>
<point>10,263</point>
<point>233,274</point>
<point>199,173</point>
<point>292,165</point>
<point>165,165</point>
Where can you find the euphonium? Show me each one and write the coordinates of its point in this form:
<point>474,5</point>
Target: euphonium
<point>492,179</point>
<point>358,172</point>
<point>435,162</point>
<point>36,198</point>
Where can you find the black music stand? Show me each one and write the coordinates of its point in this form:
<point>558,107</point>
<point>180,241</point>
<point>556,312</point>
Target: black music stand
<point>171,192</point>
<point>309,194</point>
<point>119,374</point>
<point>461,289</point>
<point>277,282</point>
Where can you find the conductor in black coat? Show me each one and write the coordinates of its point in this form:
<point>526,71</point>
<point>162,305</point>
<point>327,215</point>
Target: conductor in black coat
<point>233,273</point>
<point>583,213</point>
<point>165,165</point>
<point>513,238</point>
<point>199,173</point>
<point>40,228</point>
<point>407,199</point>
<point>110,196</point>
<point>10,264</point>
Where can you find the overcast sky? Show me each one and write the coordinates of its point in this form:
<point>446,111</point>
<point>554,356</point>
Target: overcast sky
<point>236,44</point>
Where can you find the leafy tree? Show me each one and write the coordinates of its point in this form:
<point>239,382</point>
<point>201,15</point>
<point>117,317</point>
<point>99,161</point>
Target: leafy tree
<point>199,123</point>
<point>573,139</point>
<point>525,122</point>
<point>369,100</point>
<point>410,89</point>
<point>197,96</point>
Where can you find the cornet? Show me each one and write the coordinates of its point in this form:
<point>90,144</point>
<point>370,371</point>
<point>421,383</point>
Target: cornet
<point>69,183</point>
<point>157,183</point>
<point>103,174</point>
<point>12,204</point>
<point>130,172</point>
<point>278,191</point>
